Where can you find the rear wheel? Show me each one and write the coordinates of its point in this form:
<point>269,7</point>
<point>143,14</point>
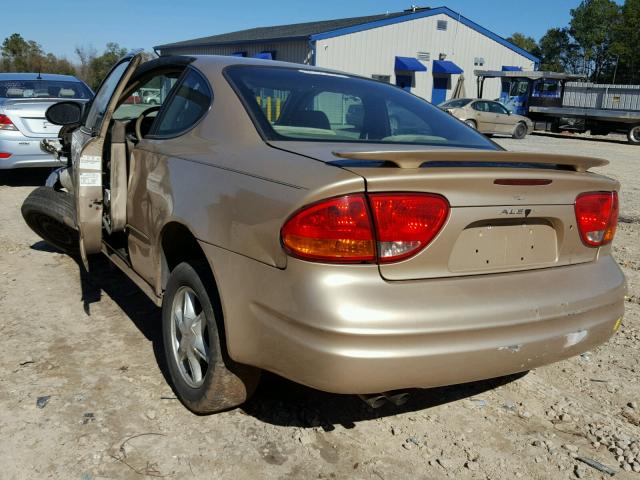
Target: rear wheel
<point>634,135</point>
<point>49,213</point>
<point>204,378</point>
<point>471,123</point>
<point>520,131</point>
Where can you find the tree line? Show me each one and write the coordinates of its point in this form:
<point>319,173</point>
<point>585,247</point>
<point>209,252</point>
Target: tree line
<point>20,55</point>
<point>601,42</point>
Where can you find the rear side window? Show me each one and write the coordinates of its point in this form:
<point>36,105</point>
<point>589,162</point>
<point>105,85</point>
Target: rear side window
<point>191,101</point>
<point>44,89</point>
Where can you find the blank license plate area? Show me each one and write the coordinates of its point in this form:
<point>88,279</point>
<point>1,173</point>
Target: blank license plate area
<point>504,247</point>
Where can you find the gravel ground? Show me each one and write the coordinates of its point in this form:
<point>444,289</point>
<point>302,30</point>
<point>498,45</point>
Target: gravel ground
<point>83,393</point>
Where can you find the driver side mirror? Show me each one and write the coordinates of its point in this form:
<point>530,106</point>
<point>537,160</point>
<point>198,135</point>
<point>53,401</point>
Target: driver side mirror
<point>64,113</point>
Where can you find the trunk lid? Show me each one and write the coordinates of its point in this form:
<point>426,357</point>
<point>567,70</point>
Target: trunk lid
<point>29,117</point>
<point>509,211</point>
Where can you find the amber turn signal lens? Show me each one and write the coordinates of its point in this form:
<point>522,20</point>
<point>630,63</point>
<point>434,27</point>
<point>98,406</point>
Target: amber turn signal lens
<point>337,229</point>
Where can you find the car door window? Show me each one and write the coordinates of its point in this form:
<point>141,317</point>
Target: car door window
<point>480,106</point>
<point>186,106</point>
<point>152,92</point>
<point>101,101</point>
<point>497,108</point>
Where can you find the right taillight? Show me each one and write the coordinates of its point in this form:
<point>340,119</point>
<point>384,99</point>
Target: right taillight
<point>6,123</point>
<point>387,227</point>
<point>597,217</point>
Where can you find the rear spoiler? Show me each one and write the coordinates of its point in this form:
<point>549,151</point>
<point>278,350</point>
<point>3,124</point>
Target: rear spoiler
<point>426,158</point>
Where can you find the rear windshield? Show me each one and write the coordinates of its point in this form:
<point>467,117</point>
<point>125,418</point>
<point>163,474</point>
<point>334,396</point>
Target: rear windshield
<point>459,103</point>
<point>299,104</point>
<point>43,89</point>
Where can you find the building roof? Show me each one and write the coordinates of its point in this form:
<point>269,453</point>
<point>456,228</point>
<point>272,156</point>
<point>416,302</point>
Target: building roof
<point>34,76</point>
<point>334,28</point>
<point>280,32</point>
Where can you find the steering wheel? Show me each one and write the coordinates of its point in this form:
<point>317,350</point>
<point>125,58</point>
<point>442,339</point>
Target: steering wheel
<point>141,117</point>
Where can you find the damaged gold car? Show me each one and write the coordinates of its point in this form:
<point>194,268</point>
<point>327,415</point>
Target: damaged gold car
<point>354,254</point>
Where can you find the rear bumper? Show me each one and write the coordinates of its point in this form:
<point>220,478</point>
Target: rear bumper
<point>25,152</point>
<point>344,329</point>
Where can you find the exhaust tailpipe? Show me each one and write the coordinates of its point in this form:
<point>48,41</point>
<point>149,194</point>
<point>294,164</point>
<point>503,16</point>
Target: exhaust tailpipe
<point>397,399</point>
<point>375,400</point>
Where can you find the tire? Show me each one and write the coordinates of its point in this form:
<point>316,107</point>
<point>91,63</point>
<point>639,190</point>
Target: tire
<point>633,135</point>
<point>471,123</point>
<point>520,131</point>
<point>204,378</point>
<point>50,213</point>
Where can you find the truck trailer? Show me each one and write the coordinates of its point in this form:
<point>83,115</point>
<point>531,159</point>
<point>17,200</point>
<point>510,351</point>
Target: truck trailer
<point>558,101</point>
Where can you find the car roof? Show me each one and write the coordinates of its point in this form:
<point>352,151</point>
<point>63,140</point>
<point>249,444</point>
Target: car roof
<point>37,76</point>
<point>219,62</point>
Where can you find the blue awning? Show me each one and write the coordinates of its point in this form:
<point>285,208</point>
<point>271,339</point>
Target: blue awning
<point>508,68</point>
<point>409,64</point>
<point>447,67</point>
<point>263,55</point>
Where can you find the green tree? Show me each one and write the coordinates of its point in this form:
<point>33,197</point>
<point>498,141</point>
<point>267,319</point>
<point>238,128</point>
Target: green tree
<point>20,55</point>
<point>593,25</point>
<point>525,42</point>
<point>559,52</point>
<point>15,53</point>
<point>100,66</point>
<point>625,47</point>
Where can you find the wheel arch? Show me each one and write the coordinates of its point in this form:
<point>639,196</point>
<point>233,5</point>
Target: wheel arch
<point>178,244</point>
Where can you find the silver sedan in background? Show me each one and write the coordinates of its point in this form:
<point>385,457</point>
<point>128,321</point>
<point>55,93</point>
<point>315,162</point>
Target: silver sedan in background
<point>24,98</point>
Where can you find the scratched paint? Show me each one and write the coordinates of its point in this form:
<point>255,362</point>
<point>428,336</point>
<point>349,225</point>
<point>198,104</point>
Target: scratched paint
<point>511,348</point>
<point>575,337</point>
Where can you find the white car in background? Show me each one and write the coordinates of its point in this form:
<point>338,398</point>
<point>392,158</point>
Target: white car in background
<point>24,98</point>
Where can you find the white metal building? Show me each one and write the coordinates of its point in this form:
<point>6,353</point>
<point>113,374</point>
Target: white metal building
<point>423,50</point>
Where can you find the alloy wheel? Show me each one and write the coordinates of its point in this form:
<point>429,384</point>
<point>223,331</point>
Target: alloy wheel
<point>190,337</point>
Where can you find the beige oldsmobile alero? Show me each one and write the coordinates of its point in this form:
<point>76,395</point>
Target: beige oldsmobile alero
<point>488,116</point>
<point>363,253</point>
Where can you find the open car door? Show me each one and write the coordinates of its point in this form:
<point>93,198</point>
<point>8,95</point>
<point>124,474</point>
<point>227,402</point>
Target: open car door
<point>87,149</point>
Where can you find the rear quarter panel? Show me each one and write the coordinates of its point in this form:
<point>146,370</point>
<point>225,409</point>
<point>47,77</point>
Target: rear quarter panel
<point>224,184</point>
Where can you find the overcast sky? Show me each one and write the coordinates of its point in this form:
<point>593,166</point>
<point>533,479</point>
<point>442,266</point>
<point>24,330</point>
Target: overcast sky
<point>60,25</point>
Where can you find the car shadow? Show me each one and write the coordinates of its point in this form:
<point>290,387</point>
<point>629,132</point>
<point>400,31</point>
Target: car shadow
<point>24,177</point>
<point>104,277</point>
<point>581,138</point>
<point>281,402</point>
<point>277,401</point>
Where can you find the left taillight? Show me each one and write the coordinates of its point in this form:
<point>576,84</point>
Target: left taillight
<point>597,217</point>
<point>6,123</point>
<point>334,230</point>
<point>386,227</point>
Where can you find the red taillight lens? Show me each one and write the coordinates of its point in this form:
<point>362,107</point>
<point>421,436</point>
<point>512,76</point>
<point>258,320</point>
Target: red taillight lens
<point>406,222</point>
<point>597,217</point>
<point>342,230</point>
<point>6,123</point>
<point>5,154</point>
<point>338,229</point>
